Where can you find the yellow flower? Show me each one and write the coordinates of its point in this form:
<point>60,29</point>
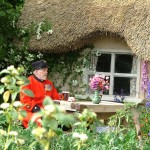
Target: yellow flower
<point>2,132</point>
<point>20,82</point>
<point>20,117</point>
<point>51,133</point>
<point>6,96</point>
<point>38,132</point>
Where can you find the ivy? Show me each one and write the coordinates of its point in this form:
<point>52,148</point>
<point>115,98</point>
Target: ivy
<point>66,69</point>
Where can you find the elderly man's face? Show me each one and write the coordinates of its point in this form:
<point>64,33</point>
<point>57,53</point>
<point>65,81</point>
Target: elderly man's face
<point>41,73</point>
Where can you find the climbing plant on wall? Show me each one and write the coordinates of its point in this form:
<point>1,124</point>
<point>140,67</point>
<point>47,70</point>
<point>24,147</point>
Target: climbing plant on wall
<point>66,69</point>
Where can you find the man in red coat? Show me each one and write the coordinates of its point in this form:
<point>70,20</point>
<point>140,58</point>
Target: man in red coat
<point>41,87</point>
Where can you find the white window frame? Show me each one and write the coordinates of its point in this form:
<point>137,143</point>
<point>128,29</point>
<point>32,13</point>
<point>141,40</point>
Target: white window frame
<point>110,97</point>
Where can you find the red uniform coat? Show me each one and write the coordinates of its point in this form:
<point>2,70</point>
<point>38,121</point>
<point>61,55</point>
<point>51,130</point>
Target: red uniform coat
<point>40,89</point>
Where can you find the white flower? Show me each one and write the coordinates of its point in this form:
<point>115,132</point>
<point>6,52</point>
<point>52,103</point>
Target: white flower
<point>13,133</point>
<point>17,104</point>
<point>4,105</point>
<point>10,68</point>
<point>49,32</point>
<point>4,79</point>
<point>1,112</point>
<point>75,135</point>
<point>15,72</point>
<point>21,141</point>
<point>107,78</point>
<point>49,109</point>
<point>83,137</point>
<point>74,82</point>
<point>2,132</point>
<point>38,131</point>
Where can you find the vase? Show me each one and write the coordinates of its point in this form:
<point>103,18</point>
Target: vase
<point>97,97</point>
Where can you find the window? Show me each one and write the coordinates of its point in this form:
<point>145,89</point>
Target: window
<point>122,67</point>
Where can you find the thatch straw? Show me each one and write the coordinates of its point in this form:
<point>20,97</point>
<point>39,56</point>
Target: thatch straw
<point>78,22</point>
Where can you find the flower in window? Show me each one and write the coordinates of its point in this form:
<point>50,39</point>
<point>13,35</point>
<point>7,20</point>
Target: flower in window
<point>99,82</point>
<point>119,98</point>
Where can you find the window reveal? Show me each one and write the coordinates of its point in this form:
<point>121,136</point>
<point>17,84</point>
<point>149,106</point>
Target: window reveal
<point>122,70</point>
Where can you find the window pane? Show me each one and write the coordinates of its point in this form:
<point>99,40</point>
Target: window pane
<point>127,85</point>
<point>103,63</point>
<point>123,63</point>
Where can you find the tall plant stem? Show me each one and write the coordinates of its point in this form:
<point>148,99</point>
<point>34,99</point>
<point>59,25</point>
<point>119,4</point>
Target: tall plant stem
<point>47,146</point>
<point>5,148</point>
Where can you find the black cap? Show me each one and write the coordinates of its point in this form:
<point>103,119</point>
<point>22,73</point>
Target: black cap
<point>39,64</point>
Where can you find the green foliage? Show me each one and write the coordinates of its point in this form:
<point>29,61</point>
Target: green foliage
<point>67,68</point>
<point>9,14</point>
<point>12,134</point>
<point>123,115</point>
<point>144,119</point>
<point>14,41</point>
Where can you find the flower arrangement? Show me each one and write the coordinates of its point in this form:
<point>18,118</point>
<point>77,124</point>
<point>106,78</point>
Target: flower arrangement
<point>119,98</point>
<point>99,82</point>
<point>144,84</point>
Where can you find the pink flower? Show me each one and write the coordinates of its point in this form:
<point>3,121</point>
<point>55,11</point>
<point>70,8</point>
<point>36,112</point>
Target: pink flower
<point>99,82</point>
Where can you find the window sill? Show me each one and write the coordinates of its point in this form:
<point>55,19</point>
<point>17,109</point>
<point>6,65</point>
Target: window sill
<point>88,97</point>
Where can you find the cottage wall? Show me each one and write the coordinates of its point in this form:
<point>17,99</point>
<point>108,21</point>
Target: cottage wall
<point>101,43</point>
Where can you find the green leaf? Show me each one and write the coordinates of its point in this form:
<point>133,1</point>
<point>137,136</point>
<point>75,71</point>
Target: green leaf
<point>18,77</point>
<point>65,119</point>
<point>4,71</point>
<point>11,87</point>
<point>13,96</point>
<point>35,116</point>
<point>52,123</point>
<point>26,80</point>
<point>1,89</point>
<point>47,101</point>
<point>14,114</point>
<point>28,92</point>
<point>2,13</point>
<point>8,142</point>
<point>23,113</point>
<point>13,80</point>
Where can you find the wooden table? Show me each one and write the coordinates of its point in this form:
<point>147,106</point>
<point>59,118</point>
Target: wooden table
<point>103,110</point>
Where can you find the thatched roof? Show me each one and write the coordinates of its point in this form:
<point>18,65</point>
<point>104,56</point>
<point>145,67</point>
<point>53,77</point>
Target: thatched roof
<point>77,22</point>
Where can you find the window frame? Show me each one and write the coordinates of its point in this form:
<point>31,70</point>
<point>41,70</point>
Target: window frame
<point>112,74</point>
